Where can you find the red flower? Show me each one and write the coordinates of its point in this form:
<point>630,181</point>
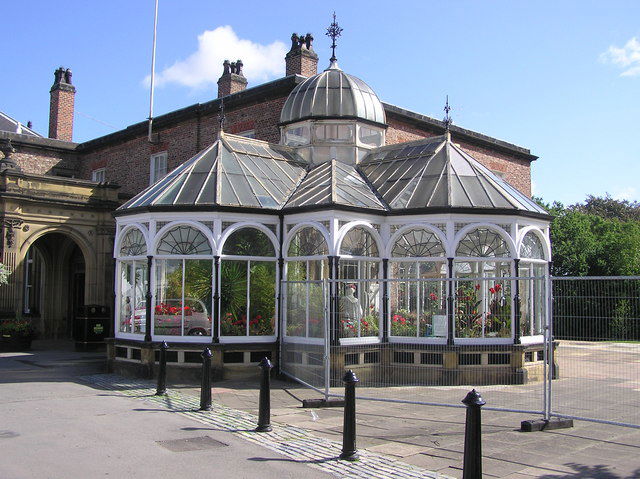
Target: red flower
<point>433,297</point>
<point>498,286</point>
<point>365,323</point>
<point>258,317</point>
<point>492,290</point>
<point>477,287</point>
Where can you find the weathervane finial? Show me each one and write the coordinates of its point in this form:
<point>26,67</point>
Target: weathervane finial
<point>447,118</point>
<point>333,32</point>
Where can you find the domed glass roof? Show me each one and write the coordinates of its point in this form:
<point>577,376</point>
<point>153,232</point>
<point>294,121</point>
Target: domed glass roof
<point>332,94</point>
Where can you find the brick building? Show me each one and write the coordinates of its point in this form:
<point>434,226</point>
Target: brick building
<point>57,196</point>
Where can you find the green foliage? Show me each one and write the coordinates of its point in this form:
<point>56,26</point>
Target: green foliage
<point>16,328</point>
<point>4,274</point>
<point>600,237</point>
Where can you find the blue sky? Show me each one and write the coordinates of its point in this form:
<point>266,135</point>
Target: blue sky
<point>560,78</point>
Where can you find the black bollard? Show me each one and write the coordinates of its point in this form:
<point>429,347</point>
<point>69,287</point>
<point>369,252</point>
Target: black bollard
<point>161,390</point>
<point>472,468</point>
<point>264,414</point>
<point>349,451</point>
<point>205,386</point>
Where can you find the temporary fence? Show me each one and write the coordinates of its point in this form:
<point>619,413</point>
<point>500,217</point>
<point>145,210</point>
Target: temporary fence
<point>422,341</point>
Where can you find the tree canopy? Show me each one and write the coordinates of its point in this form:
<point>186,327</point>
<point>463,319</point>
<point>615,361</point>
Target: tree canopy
<point>600,237</point>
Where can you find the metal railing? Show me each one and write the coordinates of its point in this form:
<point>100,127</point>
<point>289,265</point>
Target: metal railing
<point>565,347</point>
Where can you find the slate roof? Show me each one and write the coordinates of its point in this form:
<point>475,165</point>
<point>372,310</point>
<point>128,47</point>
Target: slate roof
<point>14,126</point>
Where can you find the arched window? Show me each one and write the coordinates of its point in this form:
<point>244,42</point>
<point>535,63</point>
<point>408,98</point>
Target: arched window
<point>184,283</point>
<point>483,299</point>
<point>184,240</point>
<point>359,267</point>
<point>133,282</point>
<point>133,243</point>
<point>417,304</point>
<point>359,242</point>
<point>248,284</point>
<point>531,247</point>
<point>532,271</point>
<point>306,267</point>
<point>483,243</point>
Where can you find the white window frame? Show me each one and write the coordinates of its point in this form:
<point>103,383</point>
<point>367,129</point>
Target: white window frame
<point>99,175</point>
<point>156,169</point>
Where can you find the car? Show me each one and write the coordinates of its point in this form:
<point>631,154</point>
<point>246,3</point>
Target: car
<point>168,317</point>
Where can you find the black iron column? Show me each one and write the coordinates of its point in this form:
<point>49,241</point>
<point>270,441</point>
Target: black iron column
<point>215,315</point>
<point>162,371</point>
<point>450,315</point>
<point>349,451</point>
<point>264,412</point>
<point>472,468</point>
<point>205,384</point>
<point>148,298</point>
<point>334,307</point>
<point>385,300</point>
<point>516,305</point>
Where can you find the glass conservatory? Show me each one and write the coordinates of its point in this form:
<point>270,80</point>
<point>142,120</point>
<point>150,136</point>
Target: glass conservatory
<point>410,253</point>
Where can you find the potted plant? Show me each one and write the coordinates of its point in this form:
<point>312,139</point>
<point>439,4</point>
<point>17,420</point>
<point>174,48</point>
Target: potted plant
<point>15,335</point>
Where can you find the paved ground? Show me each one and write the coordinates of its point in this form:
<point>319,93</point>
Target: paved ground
<point>54,426</point>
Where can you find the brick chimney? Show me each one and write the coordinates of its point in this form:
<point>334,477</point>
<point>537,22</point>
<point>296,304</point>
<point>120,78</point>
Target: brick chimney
<point>301,59</point>
<point>61,107</point>
<point>232,79</point>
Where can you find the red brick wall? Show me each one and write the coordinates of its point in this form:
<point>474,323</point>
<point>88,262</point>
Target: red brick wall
<point>127,163</point>
<point>61,114</point>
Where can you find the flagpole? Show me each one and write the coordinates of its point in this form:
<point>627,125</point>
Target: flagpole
<point>153,72</point>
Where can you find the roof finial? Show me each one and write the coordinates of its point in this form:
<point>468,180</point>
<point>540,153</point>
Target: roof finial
<point>447,119</point>
<point>333,32</point>
<point>221,118</point>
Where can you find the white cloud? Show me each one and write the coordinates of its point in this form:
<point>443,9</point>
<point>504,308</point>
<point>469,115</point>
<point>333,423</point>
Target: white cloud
<point>203,67</point>
<point>627,57</point>
<point>627,193</point>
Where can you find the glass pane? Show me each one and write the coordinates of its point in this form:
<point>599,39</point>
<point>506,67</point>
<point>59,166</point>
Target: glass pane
<point>197,297</point>
<point>482,242</point>
<point>308,241</point>
<point>418,243</point>
<point>359,303</point>
<point>133,243</point>
<point>316,311</point>
<point>139,298</point>
<point>233,298</point>
<point>483,306</point>
<point>296,309</point>
<point>248,242</point>
<point>168,304</point>
<point>359,242</point>
<point>403,300</point>
<point>184,240</point>
<point>126,296</point>
<point>262,302</point>
<point>531,247</point>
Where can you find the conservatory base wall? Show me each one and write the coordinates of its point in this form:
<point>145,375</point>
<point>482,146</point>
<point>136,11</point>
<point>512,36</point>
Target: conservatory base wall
<point>184,362</point>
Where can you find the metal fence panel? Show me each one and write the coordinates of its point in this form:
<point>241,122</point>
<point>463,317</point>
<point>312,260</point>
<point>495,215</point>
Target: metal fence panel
<point>597,325</point>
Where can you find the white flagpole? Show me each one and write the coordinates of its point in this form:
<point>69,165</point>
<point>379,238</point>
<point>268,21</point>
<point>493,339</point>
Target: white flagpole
<point>153,71</point>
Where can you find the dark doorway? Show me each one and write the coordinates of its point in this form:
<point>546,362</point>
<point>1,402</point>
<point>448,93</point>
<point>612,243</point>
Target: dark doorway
<point>54,285</point>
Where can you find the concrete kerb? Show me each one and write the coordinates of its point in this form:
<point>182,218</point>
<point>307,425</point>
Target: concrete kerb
<point>290,441</point>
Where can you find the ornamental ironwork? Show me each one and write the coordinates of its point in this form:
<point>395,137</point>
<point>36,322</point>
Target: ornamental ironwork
<point>308,241</point>
<point>359,242</point>
<point>483,243</point>
<point>418,243</point>
<point>531,247</point>
<point>133,243</point>
<point>184,240</point>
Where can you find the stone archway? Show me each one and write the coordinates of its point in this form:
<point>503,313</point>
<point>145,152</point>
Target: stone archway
<point>53,285</point>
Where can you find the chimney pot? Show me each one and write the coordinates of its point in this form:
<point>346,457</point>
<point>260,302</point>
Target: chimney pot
<point>301,59</point>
